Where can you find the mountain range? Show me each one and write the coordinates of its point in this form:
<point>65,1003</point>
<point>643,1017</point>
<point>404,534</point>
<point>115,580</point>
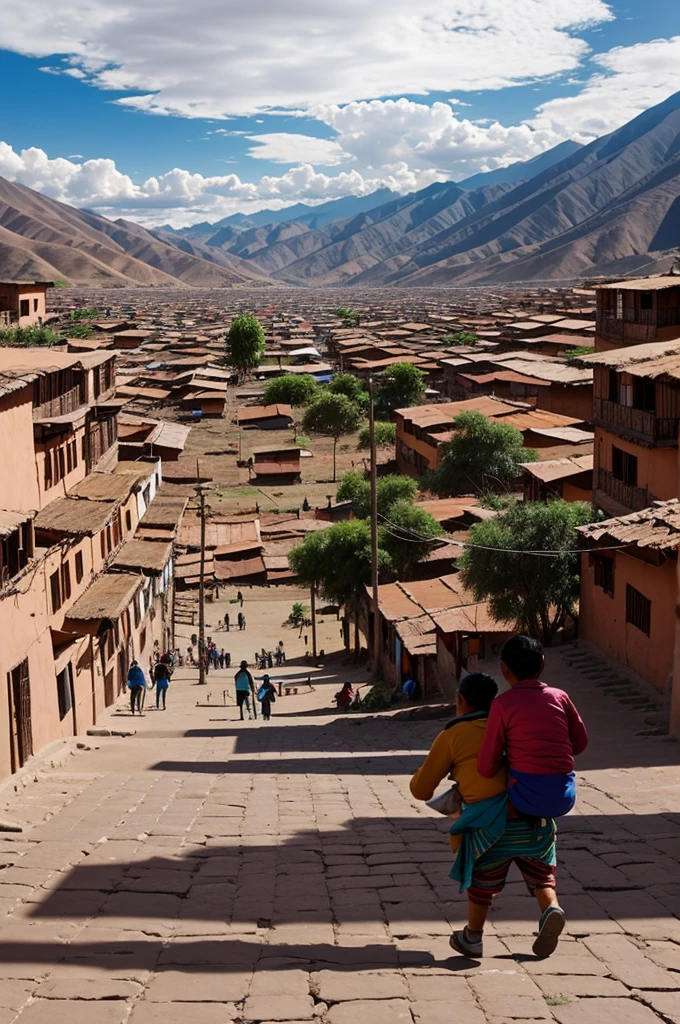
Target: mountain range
<point>609,208</point>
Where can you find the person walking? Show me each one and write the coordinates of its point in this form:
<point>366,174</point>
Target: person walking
<point>239,598</point>
<point>161,678</point>
<point>266,696</point>
<point>240,620</point>
<point>226,621</point>
<point>245,689</point>
<point>136,685</point>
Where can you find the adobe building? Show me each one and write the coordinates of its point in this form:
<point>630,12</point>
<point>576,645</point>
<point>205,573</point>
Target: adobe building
<point>72,614</point>
<point>636,416</point>
<point>629,593</point>
<point>23,303</point>
<point>637,312</point>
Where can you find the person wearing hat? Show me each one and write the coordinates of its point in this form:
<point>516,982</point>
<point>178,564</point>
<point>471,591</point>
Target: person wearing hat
<point>136,685</point>
<point>245,688</point>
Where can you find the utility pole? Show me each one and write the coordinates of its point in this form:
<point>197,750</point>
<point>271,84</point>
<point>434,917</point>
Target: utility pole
<point>377,661</point>
<point>202,668</point>
<point>313,606</point>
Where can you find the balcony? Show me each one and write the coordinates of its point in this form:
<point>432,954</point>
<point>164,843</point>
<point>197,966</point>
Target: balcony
<point>65,403</point>
<point>636,423</point>
<point>637,325</point>
<point>627,495</point>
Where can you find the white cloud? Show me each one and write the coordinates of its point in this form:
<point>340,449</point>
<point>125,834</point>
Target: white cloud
<point>633,78</point>
<point>217,60</point>
<point>382,134</point>
<point>289,148</point>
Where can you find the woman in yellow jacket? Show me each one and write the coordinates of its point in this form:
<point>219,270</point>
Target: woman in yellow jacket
<point>454,751</point>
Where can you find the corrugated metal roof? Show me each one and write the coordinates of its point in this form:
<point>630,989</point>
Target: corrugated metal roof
<point>471,618</point>
<point>643,284</point>
<point>655,527</point>
<point>11,521</point>
<point>227,570</point>
<point>149,555</point>
<point>248,413</point>
<point>647,356</point>
<point>559,469</point>
<point>107,597</point>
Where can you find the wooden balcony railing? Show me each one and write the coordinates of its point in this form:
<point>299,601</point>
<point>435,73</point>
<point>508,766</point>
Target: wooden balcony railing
<point>69,401</point>
<point>646,426</point>
<point>633,498</point>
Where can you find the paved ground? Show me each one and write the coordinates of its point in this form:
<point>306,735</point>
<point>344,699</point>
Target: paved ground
<point>207,870</point>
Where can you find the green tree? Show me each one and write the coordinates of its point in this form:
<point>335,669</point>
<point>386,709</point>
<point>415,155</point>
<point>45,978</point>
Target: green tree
<point>292,389</point>
<point>385,435</point>
<point>407,536</point>
<point>356,488</point>
<point>333,416</point>
<point>483,455</point>
<point>29,337</point>
<point>245,343</point>
<point>350,316</point>
<point>350,386</point>
<point>534,592</point>
<point>85,313</point>
<point>338,560</point>
<point>399,386</point>
<point>79,331</point>
<point>460,338</point>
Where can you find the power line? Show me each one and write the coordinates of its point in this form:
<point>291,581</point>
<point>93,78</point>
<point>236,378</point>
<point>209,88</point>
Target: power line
<point>419,538</point>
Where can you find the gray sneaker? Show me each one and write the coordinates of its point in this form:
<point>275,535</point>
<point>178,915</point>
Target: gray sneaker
<point>550,928</point>
<point>461,942</point>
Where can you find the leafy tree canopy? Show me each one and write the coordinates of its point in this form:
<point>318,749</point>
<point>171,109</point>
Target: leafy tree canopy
<point>245,343</point>
<point>80,331</point>
<point>356,488</point>
<point>292,389</point>
<point>85,313</point>
<point>332,416</point>
<point>385,435</point>
<point>535,592</point>
<point>350,386</point>
<point>483,455</point>
<point>460,338</point>
<point>402,537</point>
<point>398,387</point>
<point>338,559</point>
<point>29,337</point>
<point>348,315</point>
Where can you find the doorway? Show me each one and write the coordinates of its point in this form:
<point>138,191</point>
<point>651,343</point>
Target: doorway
<point>19,698</point>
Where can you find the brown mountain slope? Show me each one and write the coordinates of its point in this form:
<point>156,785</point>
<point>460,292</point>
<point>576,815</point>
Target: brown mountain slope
<point>608,202</point>
<point>42,238</point>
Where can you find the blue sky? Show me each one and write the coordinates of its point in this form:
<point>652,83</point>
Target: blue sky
<point>166,112</point>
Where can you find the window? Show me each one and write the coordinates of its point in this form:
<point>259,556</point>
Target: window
<point>64,692</point>
<point>66,580</point>
<point>102,543</point>
<point>625,394</point>
<point>646,300</point>
<point>613,386</point>
<point>62,463</point>
<point>55,591</point>
<point>24,308</point>
<point>79,566</point>
<point>35,305</point>
<point>644,394</point>
<point>48,470</point>
<point>604,574</point>
<point>128,520</point>
<point>69,458</point>
<point>74,453</point>
<point>135,609</point>
<point>142,640</point>
<point>638,609</point>
<point>624,467</point>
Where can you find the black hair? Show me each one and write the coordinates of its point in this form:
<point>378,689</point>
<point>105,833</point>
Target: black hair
<point>478,689</point>
<point>523,655</point>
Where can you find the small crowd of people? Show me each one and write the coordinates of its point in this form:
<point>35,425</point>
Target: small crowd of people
<point>160,674</point>
<point>511,759</point>
<point>240,620</point>
<point>245,692</point>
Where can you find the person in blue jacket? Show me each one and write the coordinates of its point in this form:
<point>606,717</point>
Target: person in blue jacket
<point>136,685</point>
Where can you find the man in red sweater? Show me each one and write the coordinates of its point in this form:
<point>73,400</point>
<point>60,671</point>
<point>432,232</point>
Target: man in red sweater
<point>536,731</point>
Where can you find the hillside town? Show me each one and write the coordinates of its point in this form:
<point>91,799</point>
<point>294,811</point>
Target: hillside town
<point>359,497</point>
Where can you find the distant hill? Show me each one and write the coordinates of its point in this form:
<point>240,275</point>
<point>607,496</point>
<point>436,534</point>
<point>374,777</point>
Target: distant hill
<point>612,207</point>
<point>44,239</point>
<point>523,169</point>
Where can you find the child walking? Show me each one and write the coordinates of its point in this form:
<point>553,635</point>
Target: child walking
<point>536,730</point>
